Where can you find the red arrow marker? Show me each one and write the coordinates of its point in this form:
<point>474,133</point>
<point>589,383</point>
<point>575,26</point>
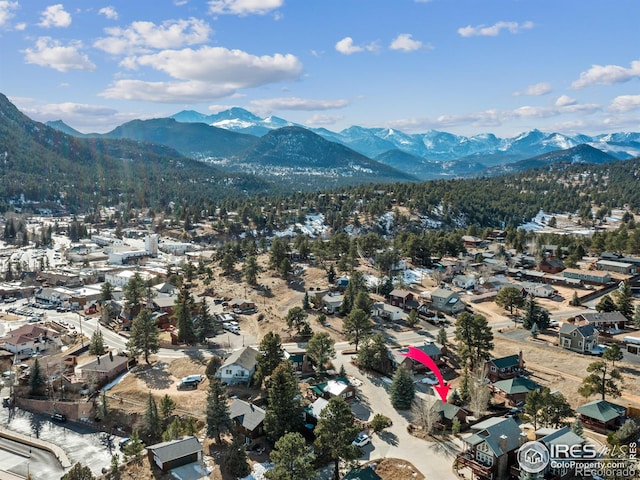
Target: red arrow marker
<point>419,356</point>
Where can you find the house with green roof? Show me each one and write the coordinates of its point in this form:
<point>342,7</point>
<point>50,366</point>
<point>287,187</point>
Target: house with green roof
<point>447,412</point>
<point>602,416</point>
<point>513,391</point>
<point>366,473</point>
<point>340,387</point>
<point>504,368</point>
<point>491,450</point>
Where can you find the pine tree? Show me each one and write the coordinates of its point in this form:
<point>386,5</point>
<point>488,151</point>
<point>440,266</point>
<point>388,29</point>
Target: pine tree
<point>412,319</point>
<point>442,337</point>
<point>321,350</point>
<point>183,315</point>
<point>334,433</point>
<point>167,406</point>
<point>356,326</point>
<point>624,300</point>
<point>402,390</point>
<point>270,354</point>
<point>134,447</point>
<point>96,347</point>
<point>578,428</point>
<point>292,459</point>
<point>37,379</point>
<point>78,472</point>
<point>636,317</point>
<point>234,461</point>
<point>153,426</point>
<point>474,339</point>
<point>145,338</point>
<point>250,270</point>
<point>285,409</point>
<point>218,420</point>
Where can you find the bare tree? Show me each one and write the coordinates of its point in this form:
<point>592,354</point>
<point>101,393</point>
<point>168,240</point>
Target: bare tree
<point>479,393</point>
<point>426,414</point>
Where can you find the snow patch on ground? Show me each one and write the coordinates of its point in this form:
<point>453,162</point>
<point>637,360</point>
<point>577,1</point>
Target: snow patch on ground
<point>259,470</point>
<point>312,227</point>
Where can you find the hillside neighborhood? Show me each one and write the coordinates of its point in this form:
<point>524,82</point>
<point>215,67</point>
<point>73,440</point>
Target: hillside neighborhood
<point>192,355</point>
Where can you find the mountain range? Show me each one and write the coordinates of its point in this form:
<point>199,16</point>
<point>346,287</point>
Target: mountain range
<point>233,140</point>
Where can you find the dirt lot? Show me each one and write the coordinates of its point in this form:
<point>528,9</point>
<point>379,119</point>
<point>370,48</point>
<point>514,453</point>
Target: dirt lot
<point>396,469</point>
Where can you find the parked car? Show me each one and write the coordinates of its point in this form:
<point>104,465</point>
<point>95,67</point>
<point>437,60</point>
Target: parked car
<point>59,417</point>
<point>598,350</point>
<point>361,439</point>
<point>429,379</point>
<point>193,378</point>
<point>187,385</point>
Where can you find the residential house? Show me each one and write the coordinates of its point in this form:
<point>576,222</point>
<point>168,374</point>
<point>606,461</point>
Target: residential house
<point>491,449</point>
<point>387,312</point>
<point>332,303</point>
<point>513,391</point>
<point>588,276</point>
<point>175,453</point>
<point>577,338</point>
<point>30,338</point>
<point>403,299</point>
<point>366,473</point>
<point>602,416</point>
<point>447,412</point>
<point>471,241</point>
<point>551,265</point>
<point>559,436</point>
<point>342,282</point>
<point>247,418</point>
<point>399,359</point>
<point>298,358</point>
<point>102,369</point>
<point>504,368</point>
<point>239,367</point>
<point>602,320</point>
<point>540,290</point>
<point>242,305</point>
<point>340,387</point>
<point>466,282</point>
<point>313,410</point>
<point>446,301</point>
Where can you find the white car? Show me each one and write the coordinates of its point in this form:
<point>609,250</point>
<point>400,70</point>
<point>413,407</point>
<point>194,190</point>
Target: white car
<point>361,440</point>
<point>429,380</point>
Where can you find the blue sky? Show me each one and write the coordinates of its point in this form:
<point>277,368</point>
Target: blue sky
<point>462,66</point>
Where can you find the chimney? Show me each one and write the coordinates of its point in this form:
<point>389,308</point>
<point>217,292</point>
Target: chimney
<point>523,438</point>
<point>520,360</point>
<point>503,443</point>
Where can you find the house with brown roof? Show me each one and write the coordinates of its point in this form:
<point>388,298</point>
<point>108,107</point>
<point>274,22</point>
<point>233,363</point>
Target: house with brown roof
<point>402,298</point>
<point>30,338</point>
<point>239,367</point>
<point>102,369</point>
<point>602,320</point>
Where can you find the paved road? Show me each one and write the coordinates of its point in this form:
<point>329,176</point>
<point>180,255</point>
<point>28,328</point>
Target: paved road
<point>22,460</point>
<point>433,459</point>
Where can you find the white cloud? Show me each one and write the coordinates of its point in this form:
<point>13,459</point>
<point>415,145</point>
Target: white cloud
<point>607,75</point>
<point>51,53</point>
<point>494,30</point>
<point>220,66</point>
<point>405,42</point>
<point>324,120</point>
<point>142,36</point>
<point>55,16</point>
<point>6,11</point>
<point>109,12</point>
<point>20,26</point>
<point>243,7</point>
<point>565,100</point>
<point>292,103</point>
<point>536,90</point>
<point>207,73</point>
<point>166,92</point>
<point>347,47</point>
<point>625,103</point>
<point>492,117</point>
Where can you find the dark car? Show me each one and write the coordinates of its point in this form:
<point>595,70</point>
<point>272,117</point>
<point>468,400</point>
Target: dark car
<point>188,385</point>
<point>59,417</point>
